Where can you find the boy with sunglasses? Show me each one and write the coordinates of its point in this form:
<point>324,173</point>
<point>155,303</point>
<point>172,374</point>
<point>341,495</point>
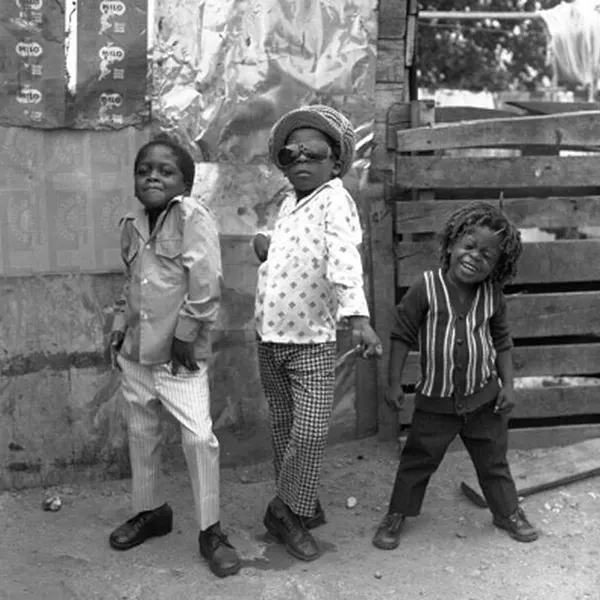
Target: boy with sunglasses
<point>310,279</point>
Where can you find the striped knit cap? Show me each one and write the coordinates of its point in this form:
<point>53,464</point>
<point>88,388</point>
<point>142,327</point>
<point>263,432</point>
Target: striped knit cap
<point>323,118</point>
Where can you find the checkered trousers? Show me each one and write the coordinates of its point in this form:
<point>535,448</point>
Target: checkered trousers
<point>299,383</point>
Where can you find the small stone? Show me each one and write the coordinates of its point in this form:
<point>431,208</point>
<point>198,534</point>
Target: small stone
<point>52,503</point>
<point>377,575</point>
<point>449,569</point>
<point>351,502</point>
<point>461,535</point>
<point>360,457</point>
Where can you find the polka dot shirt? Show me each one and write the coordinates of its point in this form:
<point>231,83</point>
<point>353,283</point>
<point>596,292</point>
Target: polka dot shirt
<point>313,276</point>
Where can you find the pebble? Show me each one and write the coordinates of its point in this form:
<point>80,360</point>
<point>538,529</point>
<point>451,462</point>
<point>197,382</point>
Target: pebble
<point>351,502</point>
<point>52,503</point>
<point>377,575</point>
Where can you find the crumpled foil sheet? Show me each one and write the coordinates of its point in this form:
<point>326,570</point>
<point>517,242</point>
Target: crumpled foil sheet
<point>223,71</point>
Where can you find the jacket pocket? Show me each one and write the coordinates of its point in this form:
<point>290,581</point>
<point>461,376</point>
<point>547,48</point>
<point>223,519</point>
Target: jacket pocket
<point>169,248</point>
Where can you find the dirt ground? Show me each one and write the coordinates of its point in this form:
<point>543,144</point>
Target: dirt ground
<point>450,552</point>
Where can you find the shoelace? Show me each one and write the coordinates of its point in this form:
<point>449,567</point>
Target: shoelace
<point>216,538</point>
<point>392,520</point>
<point>289,523</point>
<point>519,518</point>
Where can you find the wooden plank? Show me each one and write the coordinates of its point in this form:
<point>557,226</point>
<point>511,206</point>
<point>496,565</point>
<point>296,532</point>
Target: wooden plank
<point>366,371</point>
<point>543,437</point>
<point>561,132</point>
<point>505,173</point>
<point>553,315</point>
<point>537,470</point>
<point>539,107</point>
<point>453,114</point>
<point>398,117</point>
<point>540,402</point>
<point>381,223</point>
<point>391,20</point>
<point>527,438</point>
<point>555,359</point>
<point>390,61</point>
<point>561,261</point>
<point>552,212</point>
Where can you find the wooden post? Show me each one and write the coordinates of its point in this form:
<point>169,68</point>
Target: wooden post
<point>395,49</point>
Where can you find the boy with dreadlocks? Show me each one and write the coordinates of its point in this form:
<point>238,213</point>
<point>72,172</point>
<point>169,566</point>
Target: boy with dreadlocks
<point>458,313</point>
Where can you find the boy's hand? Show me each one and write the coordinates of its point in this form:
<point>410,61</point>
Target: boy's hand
<point>115,341</point>
<point>505,401</point>
<point>394,396</point>
<point>182,355</point>
<point>261,245</point>
<point>363,335</point>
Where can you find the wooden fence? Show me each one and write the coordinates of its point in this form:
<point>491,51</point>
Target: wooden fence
<point>554,303</point>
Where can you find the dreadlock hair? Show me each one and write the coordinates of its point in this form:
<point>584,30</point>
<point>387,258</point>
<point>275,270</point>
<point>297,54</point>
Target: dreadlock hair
<point>185,162</point>
<point>482,214</point>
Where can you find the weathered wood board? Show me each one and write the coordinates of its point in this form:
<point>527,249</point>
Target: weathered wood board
<point>541,262</point>
<point>552,212</point>
<point>539,402</point>
<point>501,173</point>
<point>529,361</point>
<point>562,132</point>
<point>542,468</point>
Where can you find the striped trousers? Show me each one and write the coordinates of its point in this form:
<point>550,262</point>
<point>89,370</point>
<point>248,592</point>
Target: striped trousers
<point>147,389</point>
<point>299,384</point>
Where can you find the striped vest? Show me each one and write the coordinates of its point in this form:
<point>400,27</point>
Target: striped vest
<point>438,338</point>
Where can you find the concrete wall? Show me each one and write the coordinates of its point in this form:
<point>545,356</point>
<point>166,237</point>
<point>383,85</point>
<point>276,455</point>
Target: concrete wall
<point>60,410</point>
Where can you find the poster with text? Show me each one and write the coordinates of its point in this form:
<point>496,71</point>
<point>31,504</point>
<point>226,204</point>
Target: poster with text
<point>32,63</point>
<point>111,65</point>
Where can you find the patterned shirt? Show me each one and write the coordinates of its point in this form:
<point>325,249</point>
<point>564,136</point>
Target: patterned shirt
<point>173,281</point>
<point>313,275</point>
<point>458,345</point>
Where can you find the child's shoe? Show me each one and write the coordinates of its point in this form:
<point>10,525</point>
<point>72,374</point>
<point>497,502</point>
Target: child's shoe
<point>517,526</point>
<point>316,520</point>
<point>387,536</point>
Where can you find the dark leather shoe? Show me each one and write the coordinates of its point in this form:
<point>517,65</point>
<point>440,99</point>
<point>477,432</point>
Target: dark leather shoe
<point>316,520</point>
<point>517,526</point>
<point>284,525</point>
<point>223,560</point>
<point>147,524</point>
<point>387,536</point>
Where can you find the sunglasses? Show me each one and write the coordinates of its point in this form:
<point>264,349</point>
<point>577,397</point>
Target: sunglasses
<point>315,151</point>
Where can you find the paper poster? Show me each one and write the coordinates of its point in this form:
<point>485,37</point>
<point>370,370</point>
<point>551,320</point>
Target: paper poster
<point>32,63</point>
<point>111,65</point>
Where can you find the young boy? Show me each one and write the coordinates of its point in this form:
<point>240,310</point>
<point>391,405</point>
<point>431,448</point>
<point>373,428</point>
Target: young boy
<point>310,279</point>
<point>160,341</point>
<point>458,313</point>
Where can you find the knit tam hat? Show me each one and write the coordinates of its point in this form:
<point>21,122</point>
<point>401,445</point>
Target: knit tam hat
<point>323,118</point>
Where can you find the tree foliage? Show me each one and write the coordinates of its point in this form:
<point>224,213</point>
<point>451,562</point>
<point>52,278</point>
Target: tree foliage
<point>484,55</point>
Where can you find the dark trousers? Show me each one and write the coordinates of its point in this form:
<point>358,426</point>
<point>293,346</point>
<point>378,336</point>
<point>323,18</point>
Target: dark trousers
<point>485,436</point>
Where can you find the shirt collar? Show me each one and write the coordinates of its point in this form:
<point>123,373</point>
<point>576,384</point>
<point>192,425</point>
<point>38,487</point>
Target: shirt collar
<point>333,184</point>
<point>140,217</point>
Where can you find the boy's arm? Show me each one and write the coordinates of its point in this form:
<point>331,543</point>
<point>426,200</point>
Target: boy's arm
<point>343,236</point>
<point>118,324</point>
<point>201,258</point>
<point>503,344</point>
<point>410,314</point>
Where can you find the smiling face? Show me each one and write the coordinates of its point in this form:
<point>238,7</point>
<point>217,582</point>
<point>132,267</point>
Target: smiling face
<point>158,178</point>
<point>474,256</point>
<point>307,175</point>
